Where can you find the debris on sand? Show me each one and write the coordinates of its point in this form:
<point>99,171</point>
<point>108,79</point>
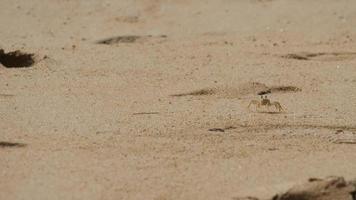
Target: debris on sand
<point>285,89</point>
<point>321,56</point>
<point>280,89</point>
<point>11,144</point>
<point>202,92</point>
<point>120,39</point>
<point>344,137</point>
<point>127,19</point>
<point>16,59</point>
<point>345,141</point>
<point>227,91</point>
<point>296,56</point>
<point>146,113</point>
<point>331,188</point>
<point>245,198</point>
<point>222,129</point>
<point>6,95</point>
<point>126,39</point>
<point>217,130</point>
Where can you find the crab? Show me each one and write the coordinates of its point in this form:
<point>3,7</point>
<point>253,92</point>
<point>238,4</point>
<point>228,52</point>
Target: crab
<point>265,102</point>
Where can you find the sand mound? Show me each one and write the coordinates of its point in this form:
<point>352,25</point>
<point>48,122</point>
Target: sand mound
<point>331,188</point>
<point>225,91</point>
<point>279,89</point>
<point>255,88</point>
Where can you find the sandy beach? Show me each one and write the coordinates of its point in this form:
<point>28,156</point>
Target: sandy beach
<point>148,99</point>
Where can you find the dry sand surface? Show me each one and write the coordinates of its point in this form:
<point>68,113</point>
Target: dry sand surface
<point>147,99</point>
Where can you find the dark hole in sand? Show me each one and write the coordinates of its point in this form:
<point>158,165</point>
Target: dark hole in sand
<point>16,59</point>
<point>11,144</point>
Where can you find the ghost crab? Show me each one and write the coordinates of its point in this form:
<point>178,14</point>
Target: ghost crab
<point>266,103</point>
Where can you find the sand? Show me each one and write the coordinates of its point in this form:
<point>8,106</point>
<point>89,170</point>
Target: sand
<point>148,99</point>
